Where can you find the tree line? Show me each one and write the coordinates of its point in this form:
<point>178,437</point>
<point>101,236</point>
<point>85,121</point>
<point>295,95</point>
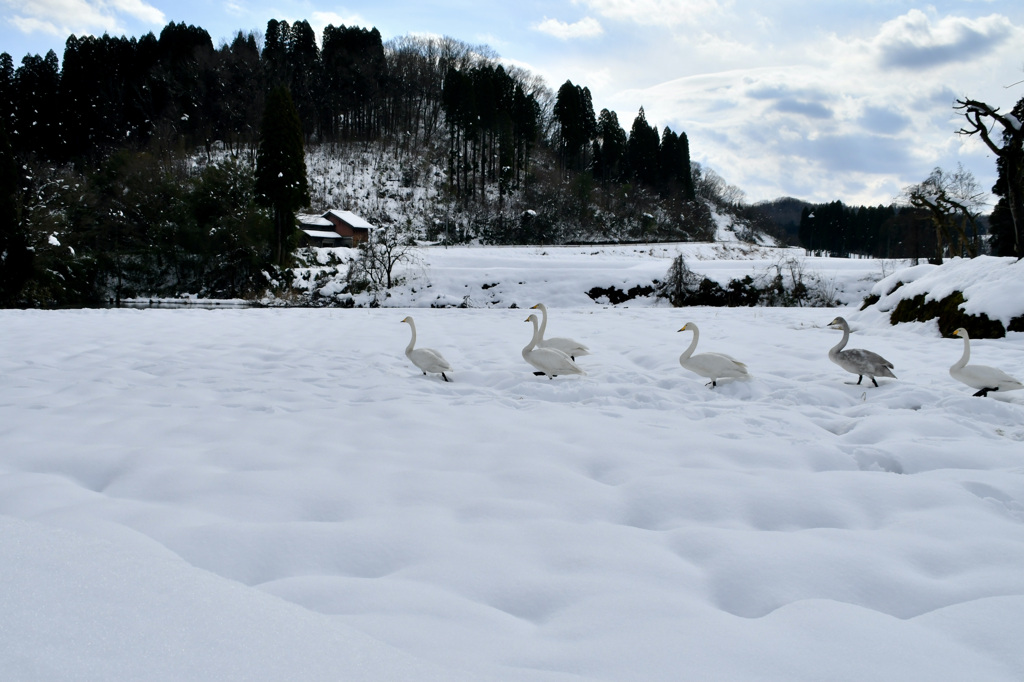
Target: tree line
<point>103,195</point>
<point>176,91</point>
<point>941,216</point>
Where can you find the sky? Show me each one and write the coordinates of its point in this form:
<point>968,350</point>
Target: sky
<point>816,100</point>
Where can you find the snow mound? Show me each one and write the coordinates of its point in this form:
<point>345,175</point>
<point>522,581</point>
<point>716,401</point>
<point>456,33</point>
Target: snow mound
<point>990,285</point>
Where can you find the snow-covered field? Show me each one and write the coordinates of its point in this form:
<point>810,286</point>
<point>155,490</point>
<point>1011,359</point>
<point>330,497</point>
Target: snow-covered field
<point>277,494</point>
<point>562,275</point>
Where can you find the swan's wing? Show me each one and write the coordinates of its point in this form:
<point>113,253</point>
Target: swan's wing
<point>714,365</point>
<point>730,358</point>
<point>429,360</point>
<point>983,376</point>
<point>552,361</point>
<point>564,344</point>
<point>860,361</point>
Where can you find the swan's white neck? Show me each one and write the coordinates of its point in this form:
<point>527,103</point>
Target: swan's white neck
<point>543,321</point>
<point>965,358</point>
<point>412,341</point>
<point>693,345</point>
<point>842,342</point>
<point>536,336</point>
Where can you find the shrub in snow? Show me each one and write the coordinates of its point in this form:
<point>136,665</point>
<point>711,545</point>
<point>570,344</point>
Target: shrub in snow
<point>785,284</point>
<point>949,315</point>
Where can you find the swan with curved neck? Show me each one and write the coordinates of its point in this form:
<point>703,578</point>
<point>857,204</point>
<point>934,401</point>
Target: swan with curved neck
<point>570,347</point>
<point>858,361</point>
<point>549,361</point>
<point>981,377</point>
<point>427,359</point>
<point>714,366</point>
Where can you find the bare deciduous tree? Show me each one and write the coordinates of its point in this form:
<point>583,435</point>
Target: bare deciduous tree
<point>713,187</point>
<point>982,121</point>
<point>380,256</point>
<point>953,201</point>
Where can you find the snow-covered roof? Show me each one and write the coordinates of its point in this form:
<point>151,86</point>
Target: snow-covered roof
<point>313,219</point>
<point>351,218</point>
<point>322,234</point>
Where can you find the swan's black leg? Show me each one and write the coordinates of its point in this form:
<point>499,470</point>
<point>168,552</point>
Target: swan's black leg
<point>443,376</point>
<point>984,392</point>
<point>424,374</point>
<point>874,382</point>
<point>538,374</point>
<point>860,377</point>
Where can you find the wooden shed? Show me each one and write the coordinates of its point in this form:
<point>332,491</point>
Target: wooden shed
<point>349,225</point>
<point>334,228</point>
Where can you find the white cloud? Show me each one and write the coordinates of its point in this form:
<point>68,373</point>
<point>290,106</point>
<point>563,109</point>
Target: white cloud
<point>914,41</point>
<point>319,20</point>
<point>809,131</point>
<point>139,10</point>
<point>588,27</point>
<point>656,12</point>
<point>31,25</point>
<point>82,16</point>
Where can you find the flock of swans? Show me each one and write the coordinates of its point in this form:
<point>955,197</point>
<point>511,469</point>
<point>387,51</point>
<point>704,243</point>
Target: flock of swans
<point>557,355</point>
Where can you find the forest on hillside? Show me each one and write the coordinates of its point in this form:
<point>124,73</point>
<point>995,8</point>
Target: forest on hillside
<point>164,165</point>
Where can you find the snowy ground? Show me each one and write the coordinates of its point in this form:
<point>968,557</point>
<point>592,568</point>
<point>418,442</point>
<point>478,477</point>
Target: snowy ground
<point>501,277</point>
<point>278,494</point>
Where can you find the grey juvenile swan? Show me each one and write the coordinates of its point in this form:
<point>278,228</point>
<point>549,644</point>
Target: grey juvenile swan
<point>427,359</point>
<point>981,377</point>
<point>549,361</point>
<point>714,366</point>
<point>858,361</point>
<point>570,347</point>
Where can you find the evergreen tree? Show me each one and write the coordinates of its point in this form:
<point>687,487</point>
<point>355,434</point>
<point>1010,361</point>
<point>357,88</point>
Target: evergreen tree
<point>6,89</point>
<point>15,255</point>
<point>674,165</point>
<point>304,58</point>
<point>686,169</point>
<point>242,100</point>
<point>1009,188</point>
<point>281,182</point>
<point>355,72</point>
<point>643,150</point>
<point>275,53</point>
<point>574,111</point>
<point>609,147</point>
<point>36,106</point>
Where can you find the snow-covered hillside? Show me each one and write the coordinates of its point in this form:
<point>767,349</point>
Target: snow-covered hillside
<point>271,494</point>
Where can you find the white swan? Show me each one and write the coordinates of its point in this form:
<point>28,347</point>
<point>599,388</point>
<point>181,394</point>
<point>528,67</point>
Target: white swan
<point>427,359</point>
<point>549,361</point>
<point>858,361</point>
<point>570,347</point>
<point>982,377</point>
<point>714,366</point>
